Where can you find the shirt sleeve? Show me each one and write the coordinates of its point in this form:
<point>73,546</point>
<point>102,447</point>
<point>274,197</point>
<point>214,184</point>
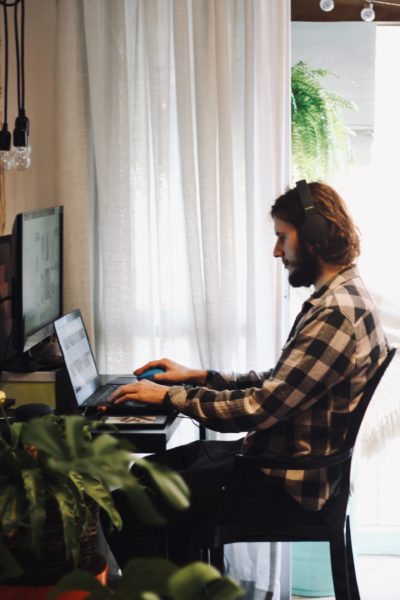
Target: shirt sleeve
<point>236,381</point>
<point>319,357</point>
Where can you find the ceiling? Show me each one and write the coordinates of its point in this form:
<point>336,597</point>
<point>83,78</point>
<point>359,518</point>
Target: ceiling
<point>345,10</point>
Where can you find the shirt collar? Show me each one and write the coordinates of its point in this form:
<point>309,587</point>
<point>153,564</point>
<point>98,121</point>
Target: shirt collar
<point>335,281</point>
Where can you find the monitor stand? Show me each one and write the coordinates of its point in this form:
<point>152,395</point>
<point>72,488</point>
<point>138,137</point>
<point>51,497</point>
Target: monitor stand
<point>43,357</point>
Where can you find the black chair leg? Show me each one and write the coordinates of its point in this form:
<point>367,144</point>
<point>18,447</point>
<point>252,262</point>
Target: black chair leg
<point>217,558</point>
<point>354,591</point>
<point>339,568</point>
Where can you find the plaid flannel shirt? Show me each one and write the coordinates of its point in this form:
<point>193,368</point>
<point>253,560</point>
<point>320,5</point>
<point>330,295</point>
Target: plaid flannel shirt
<point>302,406</point>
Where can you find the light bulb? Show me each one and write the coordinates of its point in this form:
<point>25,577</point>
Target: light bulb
<point>21,158</point>
<point>327,5</point>
<point>6,160</point>
<point>368,13</point>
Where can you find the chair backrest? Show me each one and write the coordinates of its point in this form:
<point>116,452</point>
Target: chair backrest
<point>336,507</point>
<point>362,407</point>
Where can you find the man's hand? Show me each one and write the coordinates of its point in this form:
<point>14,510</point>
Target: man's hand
<point>174,373</point>
<point>144,391</point>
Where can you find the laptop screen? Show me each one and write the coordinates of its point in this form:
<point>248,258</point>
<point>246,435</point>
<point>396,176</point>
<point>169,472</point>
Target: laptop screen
<point>78,356</point>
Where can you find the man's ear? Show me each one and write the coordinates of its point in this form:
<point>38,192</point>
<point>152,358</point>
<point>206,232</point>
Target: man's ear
<point>312,249</point>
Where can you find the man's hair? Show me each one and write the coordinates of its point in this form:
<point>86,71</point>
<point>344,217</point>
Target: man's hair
<point>341,245</point>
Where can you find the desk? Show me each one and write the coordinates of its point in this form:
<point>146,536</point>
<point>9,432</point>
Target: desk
<point>54,389</point>
<point>147,440</point>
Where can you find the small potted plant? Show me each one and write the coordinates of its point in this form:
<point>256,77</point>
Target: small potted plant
<point>55,475</point>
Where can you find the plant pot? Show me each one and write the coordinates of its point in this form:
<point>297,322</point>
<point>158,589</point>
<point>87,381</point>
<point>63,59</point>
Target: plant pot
<point>47,567</point>
<point>40,592</point>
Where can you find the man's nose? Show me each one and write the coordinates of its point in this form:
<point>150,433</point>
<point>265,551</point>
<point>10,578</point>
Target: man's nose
<point>277,251</point>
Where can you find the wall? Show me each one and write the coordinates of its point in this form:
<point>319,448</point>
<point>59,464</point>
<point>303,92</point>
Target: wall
<point>34,188</point>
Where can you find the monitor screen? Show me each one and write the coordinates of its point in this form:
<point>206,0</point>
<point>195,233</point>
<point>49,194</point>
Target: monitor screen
<point>36,243</point>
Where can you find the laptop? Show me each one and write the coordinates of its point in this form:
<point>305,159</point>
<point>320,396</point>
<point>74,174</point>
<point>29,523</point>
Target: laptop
<point>87,384</point>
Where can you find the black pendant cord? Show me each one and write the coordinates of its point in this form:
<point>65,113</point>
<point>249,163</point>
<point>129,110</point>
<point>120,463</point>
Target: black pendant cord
<point>22,54</point>
<point>5,136</point>
<point>19,31</point>
<point>5,115</point>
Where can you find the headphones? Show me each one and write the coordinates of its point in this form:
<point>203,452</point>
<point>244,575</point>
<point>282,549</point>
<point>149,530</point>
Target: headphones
<point>314,228</point>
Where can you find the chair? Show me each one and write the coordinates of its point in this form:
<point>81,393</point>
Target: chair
<point>331,523</point>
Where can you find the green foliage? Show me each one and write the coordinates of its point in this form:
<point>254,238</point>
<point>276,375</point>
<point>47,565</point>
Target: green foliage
<point>320,138</point>
<point>153,579</point>
<point>59,458</point>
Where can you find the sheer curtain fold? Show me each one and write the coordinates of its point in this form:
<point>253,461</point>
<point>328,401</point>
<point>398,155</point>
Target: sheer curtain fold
<point>177,144</point>
<point>75,185</point>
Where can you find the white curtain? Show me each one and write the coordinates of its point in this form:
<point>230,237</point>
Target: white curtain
<point>176,142</point>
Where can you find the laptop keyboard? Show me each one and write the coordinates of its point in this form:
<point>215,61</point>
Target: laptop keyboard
<point>102,395</point>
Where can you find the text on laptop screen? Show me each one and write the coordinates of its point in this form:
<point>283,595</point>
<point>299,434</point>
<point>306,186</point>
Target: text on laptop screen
<point>76,349</point>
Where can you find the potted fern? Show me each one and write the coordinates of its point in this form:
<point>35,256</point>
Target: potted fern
<point>320,137</point>
<point>55,475</point>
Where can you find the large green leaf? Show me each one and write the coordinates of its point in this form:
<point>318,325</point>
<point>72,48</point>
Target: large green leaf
<point>77,436</point>
<point>223,588</point>
<point>102,459</point>
<point>44,434</point>
<point>199,581</point>
<point>170,484</point>
<point>142,507</point>
<point>11,503</point>
<point>15,431</point>
<point>146,575</point>
<point>102,497</point>
<point>75,518</point>
<point>36,496</point>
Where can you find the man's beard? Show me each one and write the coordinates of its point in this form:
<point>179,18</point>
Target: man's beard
<point>306,269</point>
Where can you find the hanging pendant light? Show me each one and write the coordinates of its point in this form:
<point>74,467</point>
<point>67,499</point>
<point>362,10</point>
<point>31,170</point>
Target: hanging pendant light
<point>19,157</point>
<point>368,13</point>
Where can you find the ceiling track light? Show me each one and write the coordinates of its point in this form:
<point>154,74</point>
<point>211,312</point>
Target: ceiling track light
<point>327,5</point>
<point>368,13</point>
<point>19,156</point>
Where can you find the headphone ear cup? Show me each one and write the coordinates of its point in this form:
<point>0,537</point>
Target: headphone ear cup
<point>314,229</point>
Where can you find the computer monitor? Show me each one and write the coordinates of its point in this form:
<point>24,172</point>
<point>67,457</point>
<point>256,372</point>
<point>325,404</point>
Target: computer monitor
<point>5,293</point>
<point>37,258</point>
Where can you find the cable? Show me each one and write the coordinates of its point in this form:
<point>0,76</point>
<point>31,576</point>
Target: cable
<point>17,55</point>
<point>23,54</point>
<point>5,115</point>
<point>387,3</point>
<point>5,65</point>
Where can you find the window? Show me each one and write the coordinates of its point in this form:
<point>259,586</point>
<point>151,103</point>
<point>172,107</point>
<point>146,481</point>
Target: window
<point>366,59</point>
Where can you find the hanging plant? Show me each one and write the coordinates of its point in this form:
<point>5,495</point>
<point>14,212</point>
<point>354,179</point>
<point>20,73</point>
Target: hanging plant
<point>320,137</point>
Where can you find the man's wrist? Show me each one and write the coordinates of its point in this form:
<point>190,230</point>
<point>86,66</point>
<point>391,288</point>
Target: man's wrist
<point>200,377</point>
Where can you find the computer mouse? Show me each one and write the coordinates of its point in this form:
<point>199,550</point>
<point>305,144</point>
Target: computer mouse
<point>149,374</point>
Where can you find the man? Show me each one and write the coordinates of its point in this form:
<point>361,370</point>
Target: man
<point>301,407</point>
